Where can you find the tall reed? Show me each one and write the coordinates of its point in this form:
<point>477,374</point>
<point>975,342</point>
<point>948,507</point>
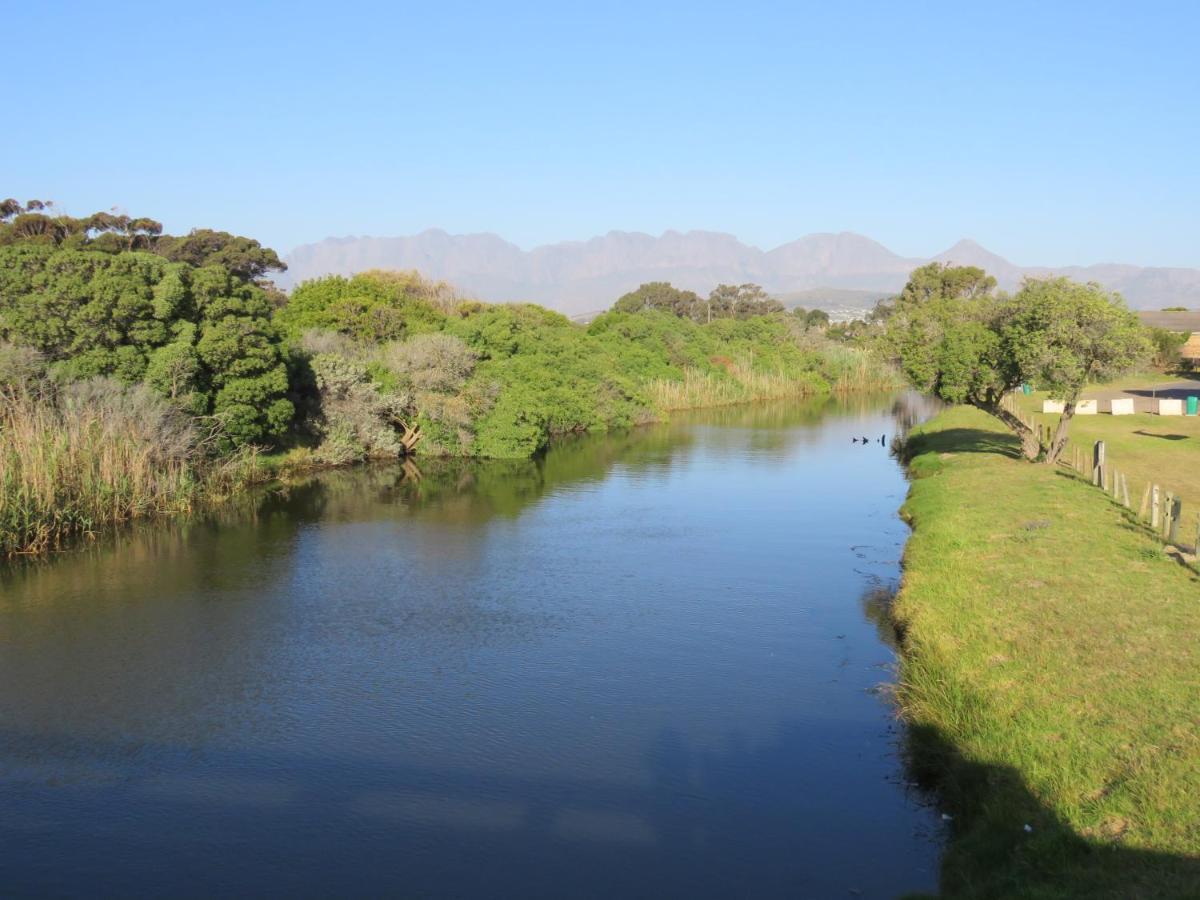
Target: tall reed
<point>79,457</point>
<point>840,369</point>
<point>849,369</point>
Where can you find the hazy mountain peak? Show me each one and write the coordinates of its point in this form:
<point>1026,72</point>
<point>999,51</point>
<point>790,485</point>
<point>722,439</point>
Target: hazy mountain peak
<point>579,276</point>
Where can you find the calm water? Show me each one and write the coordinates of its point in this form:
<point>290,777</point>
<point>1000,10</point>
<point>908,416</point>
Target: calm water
<point>645,665</point>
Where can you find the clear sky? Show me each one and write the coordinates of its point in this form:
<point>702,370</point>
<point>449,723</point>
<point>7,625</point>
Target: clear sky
<point>1051,132</point>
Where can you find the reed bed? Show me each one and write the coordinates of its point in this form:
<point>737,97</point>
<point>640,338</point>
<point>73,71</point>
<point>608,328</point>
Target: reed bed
<point>840,369</point>
<point>849,370</point>
<point>699,388</point>
<point>77,458</point>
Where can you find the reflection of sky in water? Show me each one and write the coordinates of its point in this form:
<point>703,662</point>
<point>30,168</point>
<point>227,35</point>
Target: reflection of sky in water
<point>644,657</point>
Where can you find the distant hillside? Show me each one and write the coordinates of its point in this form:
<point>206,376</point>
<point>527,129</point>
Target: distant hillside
<point>1173,320</point>
<point>581,276</point>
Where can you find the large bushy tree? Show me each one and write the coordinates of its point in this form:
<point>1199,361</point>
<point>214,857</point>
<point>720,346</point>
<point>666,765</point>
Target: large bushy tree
<point>955,337</point>
<point>740,301</point>
<point>199,334</point>
<point>35,222</point>
<point>1063,334</point>
<point>661,295</point>
<point>725,301</point>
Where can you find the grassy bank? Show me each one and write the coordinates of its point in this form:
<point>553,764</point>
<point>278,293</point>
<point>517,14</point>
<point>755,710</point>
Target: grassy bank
<point>1051,677</point>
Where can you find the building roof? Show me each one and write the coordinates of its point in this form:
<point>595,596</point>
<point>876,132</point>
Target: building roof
<point>1191,349</point>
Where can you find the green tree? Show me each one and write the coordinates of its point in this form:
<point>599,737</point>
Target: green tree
<point>955,338</point>
<point>739,301</point>
<point>817,318</point>
<point>1062,334</point>
<point>241,256</point>
<point>940,280</point>
<point>202,337</point>
<point>664,296</point>
<point>1167,346</point>
<point>240,349</point>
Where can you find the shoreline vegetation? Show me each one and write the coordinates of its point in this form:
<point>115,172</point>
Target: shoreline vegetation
<point>144,373</point>
<point>1049,677</point>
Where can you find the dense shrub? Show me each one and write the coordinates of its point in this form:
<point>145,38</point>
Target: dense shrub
<point>373,306</point>
<point>200,336</point>
<point>356,420</point>
<point>19,366</point>
<point>431,362</point>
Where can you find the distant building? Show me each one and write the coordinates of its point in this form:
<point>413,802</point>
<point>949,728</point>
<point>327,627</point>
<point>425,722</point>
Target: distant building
<point>1190,352</point>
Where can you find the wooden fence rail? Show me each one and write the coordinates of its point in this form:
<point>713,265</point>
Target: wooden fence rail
<point>1160,509</point>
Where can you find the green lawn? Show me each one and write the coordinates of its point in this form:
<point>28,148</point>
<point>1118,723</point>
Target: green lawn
<point>1147,448</point>
<point>1051,676</point>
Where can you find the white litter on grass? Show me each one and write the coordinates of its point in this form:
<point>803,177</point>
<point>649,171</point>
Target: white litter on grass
<point>1028,829</point>
<point>946,817</point>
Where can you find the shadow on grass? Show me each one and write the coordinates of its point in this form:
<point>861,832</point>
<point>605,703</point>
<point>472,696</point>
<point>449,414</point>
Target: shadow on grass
<point>1172,392</point>
<point>992,853</point>
<point>1165,437</point>
<point>964,440</point>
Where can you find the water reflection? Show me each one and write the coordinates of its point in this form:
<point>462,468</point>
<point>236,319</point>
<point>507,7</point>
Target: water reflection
<point>638,665</point>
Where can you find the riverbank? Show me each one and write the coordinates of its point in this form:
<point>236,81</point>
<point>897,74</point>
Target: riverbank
<point>1051,677</point>
<point>79,461</point>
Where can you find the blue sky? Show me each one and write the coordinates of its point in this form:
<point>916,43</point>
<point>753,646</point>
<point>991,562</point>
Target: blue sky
<point>1050,132</point>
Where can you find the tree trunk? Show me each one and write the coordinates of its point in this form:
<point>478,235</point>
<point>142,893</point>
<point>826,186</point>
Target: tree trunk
<point>1031,444</point>
<point>1054,451</point>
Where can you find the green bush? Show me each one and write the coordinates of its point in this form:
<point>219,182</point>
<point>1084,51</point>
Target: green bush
<point>374,306</point>
<point>200,336</point>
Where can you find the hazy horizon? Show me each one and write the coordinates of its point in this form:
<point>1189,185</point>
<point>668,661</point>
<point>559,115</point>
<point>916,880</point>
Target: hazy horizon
<point>583,276</point>
<point>926,253</point>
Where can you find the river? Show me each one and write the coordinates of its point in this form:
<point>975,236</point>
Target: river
<point>645,665</point>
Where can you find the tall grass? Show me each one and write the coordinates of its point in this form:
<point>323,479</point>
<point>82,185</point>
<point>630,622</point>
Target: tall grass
<point>849,369</point>
<point>76,458</point>
<point>840,369</point>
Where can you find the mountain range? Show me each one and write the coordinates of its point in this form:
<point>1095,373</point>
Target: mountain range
<point>582,276</point>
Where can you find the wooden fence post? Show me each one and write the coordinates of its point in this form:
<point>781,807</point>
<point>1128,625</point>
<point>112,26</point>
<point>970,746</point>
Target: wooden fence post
<point>1145,507</point>
<point>1125,491</point>
<point>1098,463</point>
<point>1176,515</point>
<point>1154,507</point>
<point>1168,509</point>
